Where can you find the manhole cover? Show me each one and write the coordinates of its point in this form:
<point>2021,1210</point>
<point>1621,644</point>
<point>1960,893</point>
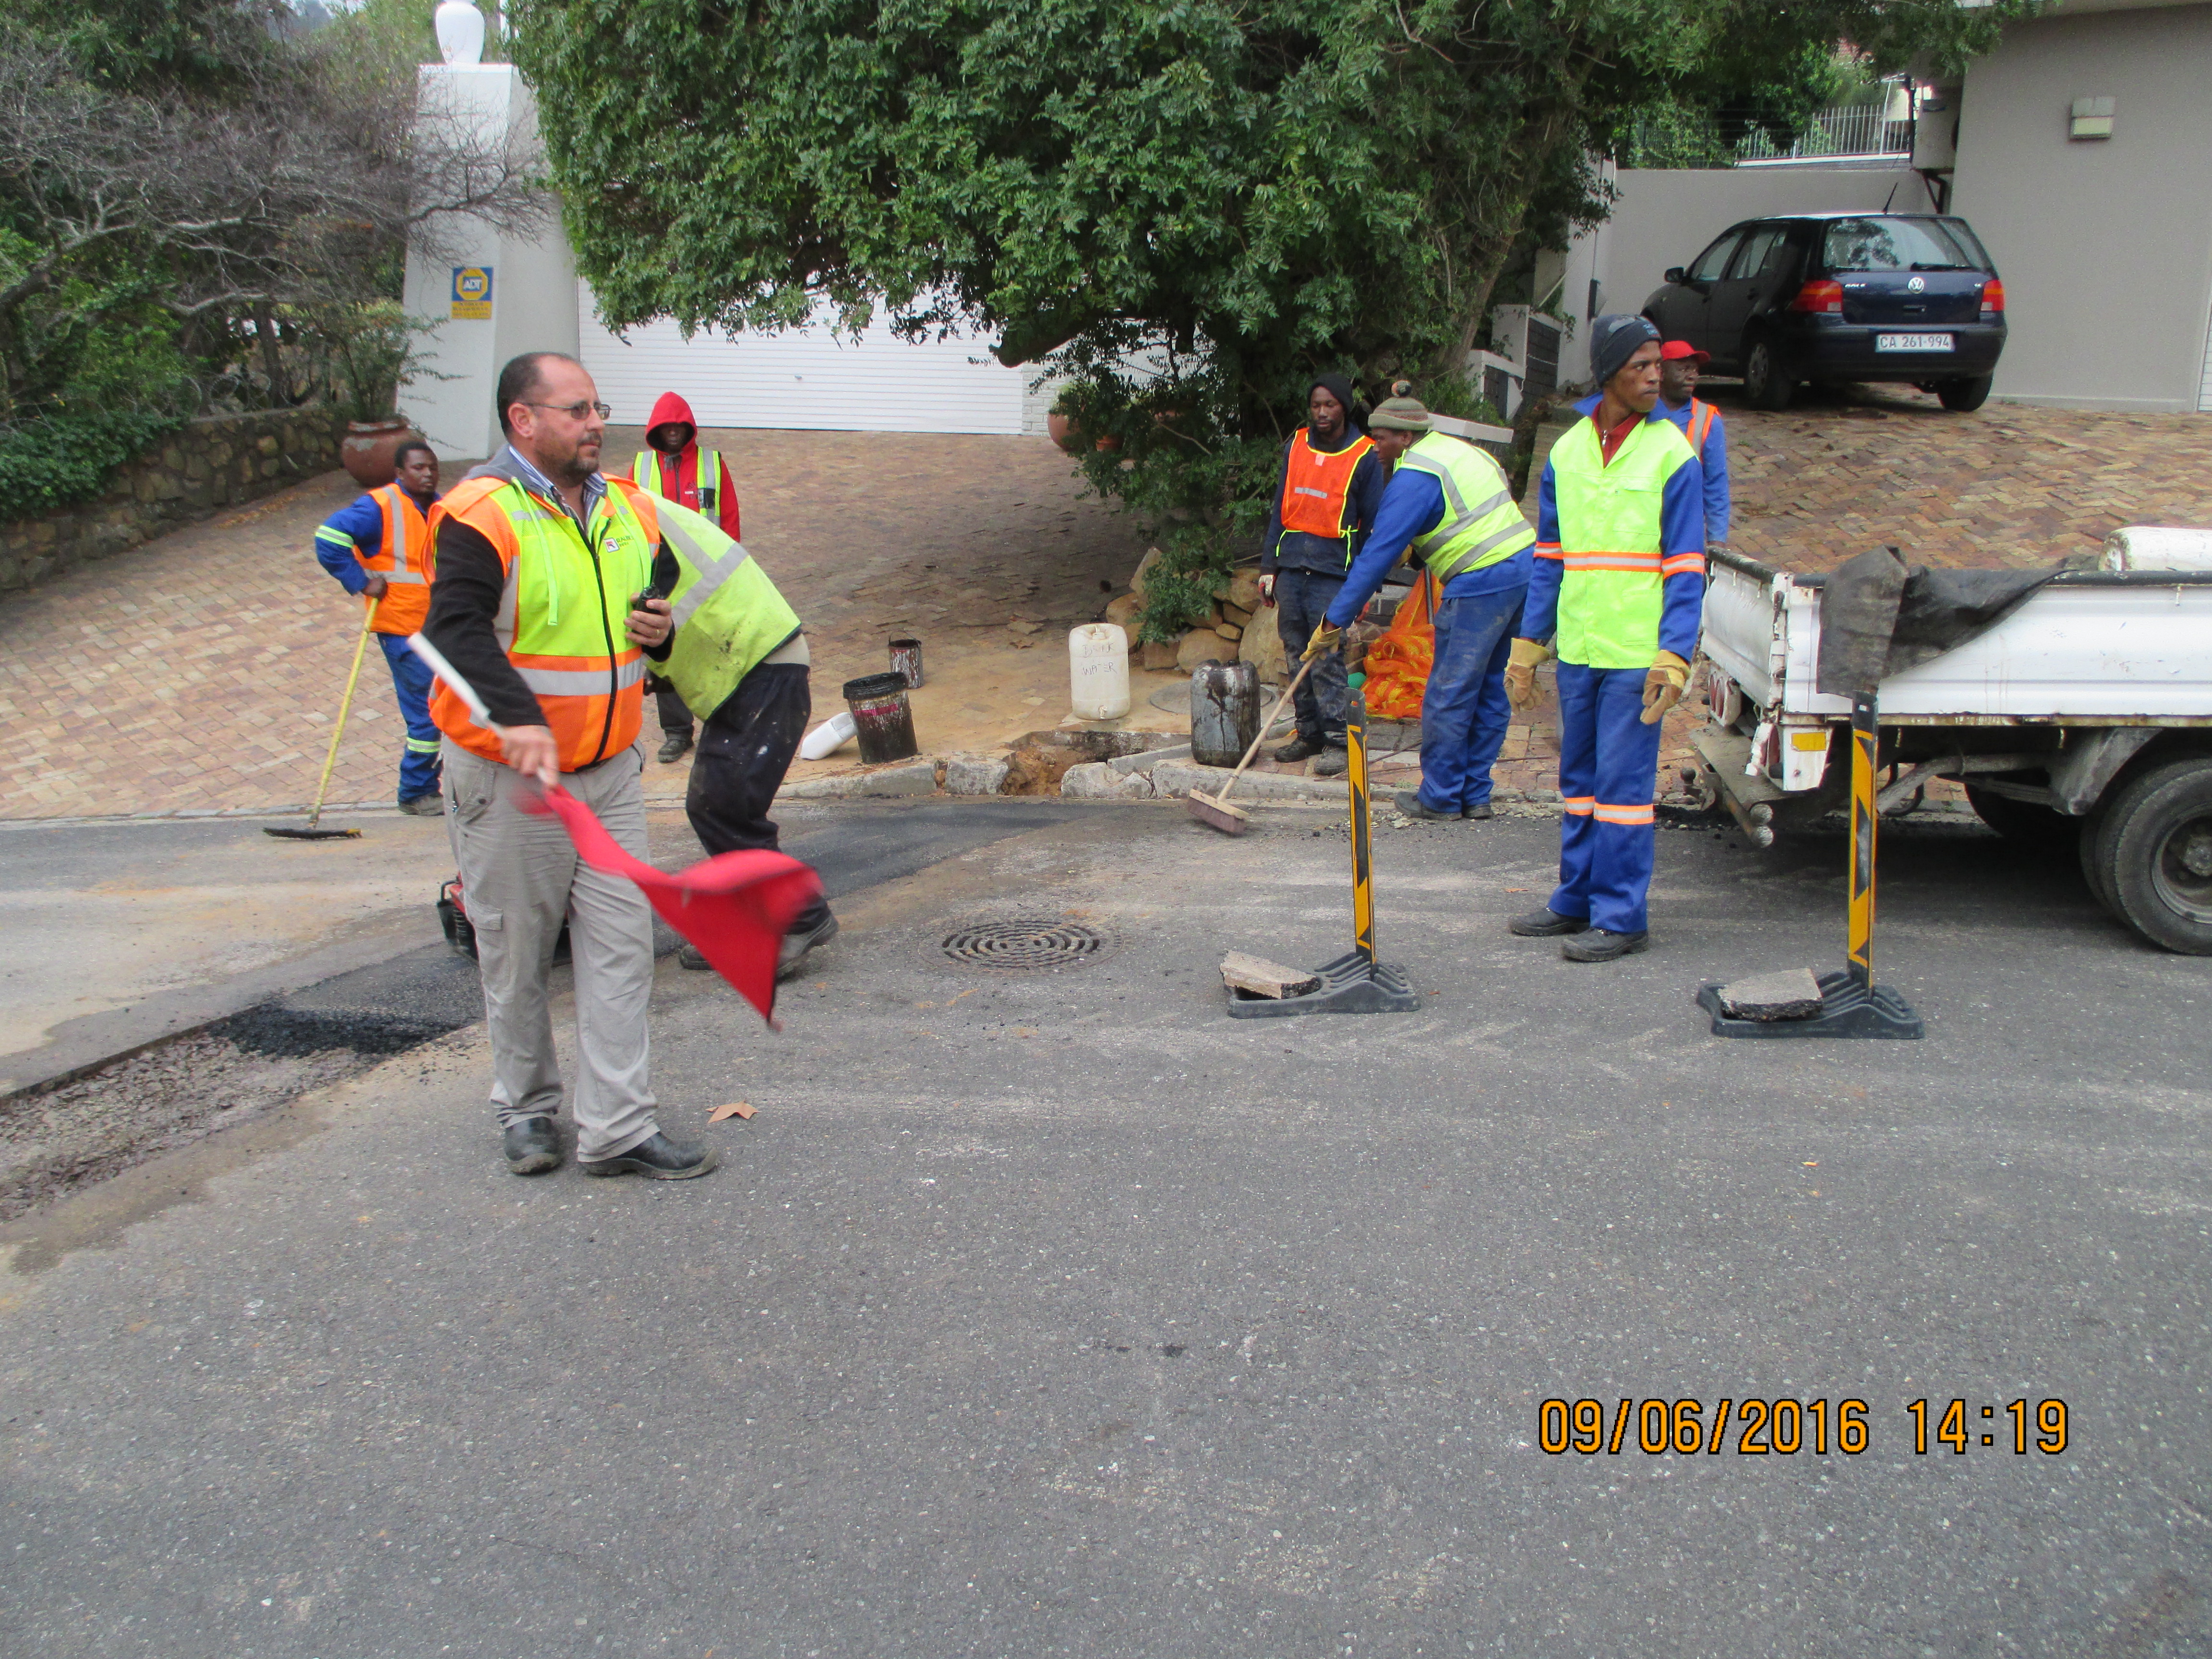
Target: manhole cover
<point>1024,944</point>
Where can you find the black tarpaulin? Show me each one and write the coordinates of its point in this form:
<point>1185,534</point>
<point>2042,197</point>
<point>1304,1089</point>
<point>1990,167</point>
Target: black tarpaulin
<point>1881,616</point>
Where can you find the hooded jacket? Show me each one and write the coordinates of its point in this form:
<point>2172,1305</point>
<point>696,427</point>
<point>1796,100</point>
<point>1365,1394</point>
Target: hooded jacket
<point>678,475</point>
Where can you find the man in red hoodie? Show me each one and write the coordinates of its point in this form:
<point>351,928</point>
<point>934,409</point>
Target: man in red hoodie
<point>673,466</point>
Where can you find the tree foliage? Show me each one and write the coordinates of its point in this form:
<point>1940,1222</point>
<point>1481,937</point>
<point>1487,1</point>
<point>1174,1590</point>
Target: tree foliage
<point>1190,205</point>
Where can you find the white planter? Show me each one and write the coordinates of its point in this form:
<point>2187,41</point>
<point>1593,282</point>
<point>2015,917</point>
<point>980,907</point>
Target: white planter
<point>460,32</point>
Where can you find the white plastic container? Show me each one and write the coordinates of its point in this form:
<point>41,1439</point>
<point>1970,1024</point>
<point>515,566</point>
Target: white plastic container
<point>828,737</point>
<point>1098,672</point>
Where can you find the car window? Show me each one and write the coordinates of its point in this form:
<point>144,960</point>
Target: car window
<point>1963,233</point>
<point>1884,244</point>
<point>1714,259</point>
<point>1757,252</point>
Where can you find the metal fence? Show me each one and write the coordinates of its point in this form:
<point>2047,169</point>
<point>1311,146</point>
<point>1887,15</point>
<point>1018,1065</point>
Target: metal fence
<point>1879,123</point>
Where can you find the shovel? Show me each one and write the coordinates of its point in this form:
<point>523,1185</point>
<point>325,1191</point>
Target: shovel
<point>1214,812</point>
<point>330,760</point>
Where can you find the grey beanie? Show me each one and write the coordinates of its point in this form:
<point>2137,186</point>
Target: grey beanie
<point>1613,341</point>
<point>1400,412</point>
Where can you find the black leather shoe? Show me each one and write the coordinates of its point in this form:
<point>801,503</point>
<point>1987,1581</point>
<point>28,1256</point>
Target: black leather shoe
<point>796,945</point>
<point>672,747</point>
<point>1547,923</point>
<point>657,1158</point>
<point>532,1147</point>
<point>1409,802</point>
<point>1478,813</point>
<point>1299,748</point>
<point>1598,945</point>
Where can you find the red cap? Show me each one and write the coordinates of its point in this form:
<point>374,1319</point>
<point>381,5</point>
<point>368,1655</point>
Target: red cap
<point>1674,350</point>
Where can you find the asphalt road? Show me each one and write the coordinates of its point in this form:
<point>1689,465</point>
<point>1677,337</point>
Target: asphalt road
<point>1056,1313</point>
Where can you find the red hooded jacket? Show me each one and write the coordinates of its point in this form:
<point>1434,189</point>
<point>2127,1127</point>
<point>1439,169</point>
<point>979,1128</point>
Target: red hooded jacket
<point>678,474</point>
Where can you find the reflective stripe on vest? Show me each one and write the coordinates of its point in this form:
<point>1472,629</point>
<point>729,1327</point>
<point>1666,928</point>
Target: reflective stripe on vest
<point>1317,486</point>
<point>728,614</point>
<point>645,470</point>
<point>1614,590</point>
<point>1701,425</point>
<point>562,614</point>
<point>1480,525</point>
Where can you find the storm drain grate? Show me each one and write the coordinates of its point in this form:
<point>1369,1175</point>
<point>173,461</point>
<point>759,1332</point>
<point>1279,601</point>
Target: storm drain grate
<point>1024,944</point>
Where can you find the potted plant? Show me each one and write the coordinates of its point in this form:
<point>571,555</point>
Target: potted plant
<point>372,355</point>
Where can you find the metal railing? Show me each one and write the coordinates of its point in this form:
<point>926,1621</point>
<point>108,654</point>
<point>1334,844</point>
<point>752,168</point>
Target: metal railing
<point>1877,123</point>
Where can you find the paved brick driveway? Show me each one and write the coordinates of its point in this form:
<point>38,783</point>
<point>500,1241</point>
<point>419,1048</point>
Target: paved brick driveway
<point>201,672</point>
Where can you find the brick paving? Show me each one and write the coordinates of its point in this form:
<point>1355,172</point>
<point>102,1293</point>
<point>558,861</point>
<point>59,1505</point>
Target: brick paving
<point>201,672</point>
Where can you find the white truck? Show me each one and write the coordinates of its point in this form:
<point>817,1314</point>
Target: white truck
<point>2081,719</point>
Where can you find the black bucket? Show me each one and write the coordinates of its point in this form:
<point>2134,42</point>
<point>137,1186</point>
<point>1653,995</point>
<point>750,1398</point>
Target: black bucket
<point>906,660</point>
<point>884,718</point>
<point>1224,712</point>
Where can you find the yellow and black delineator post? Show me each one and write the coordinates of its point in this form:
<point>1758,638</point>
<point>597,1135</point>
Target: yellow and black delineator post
<point>1358,983</point>
<point>1851,1004</point>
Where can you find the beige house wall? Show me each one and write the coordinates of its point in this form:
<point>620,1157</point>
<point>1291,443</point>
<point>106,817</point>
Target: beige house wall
<point>2105,246</point>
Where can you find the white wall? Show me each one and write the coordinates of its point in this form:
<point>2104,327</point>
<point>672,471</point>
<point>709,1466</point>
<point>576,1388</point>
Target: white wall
<point>534,282</point>
<point>806,379</point>
<point>2106,245</point>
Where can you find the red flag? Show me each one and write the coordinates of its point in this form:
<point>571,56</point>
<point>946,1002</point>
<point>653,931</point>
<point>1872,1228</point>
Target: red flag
<point>736,907</point>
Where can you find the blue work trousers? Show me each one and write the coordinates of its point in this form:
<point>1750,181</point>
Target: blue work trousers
<point>1608,763</point>
<point>411,679</point>
<point>1465,711</point>
<point>1301,601</point>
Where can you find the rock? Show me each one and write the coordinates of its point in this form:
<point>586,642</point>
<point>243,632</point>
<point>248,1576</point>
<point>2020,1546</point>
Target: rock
<point>1156,657</point>
<point>1263,647</point>
<point>1124,611</point>
<point>1793,993</point>
<point>1229,631</point>
<point>1098,780</point>
<point>1144,569</point>
<point>1230,613</point>
<point>1244,589</point>
<point>1211,618</point>
<point>1022,625</point>
<point>975,774</point>
<point>1202,644</point>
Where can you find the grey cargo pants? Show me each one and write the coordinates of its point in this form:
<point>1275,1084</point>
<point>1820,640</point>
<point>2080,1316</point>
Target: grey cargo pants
<point>520,878</point>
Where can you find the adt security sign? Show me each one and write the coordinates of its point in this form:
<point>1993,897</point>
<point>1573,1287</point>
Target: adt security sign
<point>473,292</point>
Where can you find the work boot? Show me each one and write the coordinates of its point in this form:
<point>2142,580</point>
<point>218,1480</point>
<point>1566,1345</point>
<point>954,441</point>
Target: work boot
<point>1299,748</point>
<point>1410,803</point>
<point>1333,763</point>
<point>432,805</point>
<point>532,1147</point>
<point>690,956</point>
<point>1598,945</point>
<point>656,1157</point>
<point>672,745</point>
<point>797,944</point>
<point>1478,813</point>
<point>1547,923</point>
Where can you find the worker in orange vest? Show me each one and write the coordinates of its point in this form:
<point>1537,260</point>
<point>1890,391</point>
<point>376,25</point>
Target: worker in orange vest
<point>379,547</point>
<point>1701,423</point>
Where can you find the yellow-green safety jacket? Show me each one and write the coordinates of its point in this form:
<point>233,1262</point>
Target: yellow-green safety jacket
<point>728,614</point>
<point>1481,524</point>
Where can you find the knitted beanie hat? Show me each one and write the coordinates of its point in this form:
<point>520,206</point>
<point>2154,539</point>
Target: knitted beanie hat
<point>1401,411</point>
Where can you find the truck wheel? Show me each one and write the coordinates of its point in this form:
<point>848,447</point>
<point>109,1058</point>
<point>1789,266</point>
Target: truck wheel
<point>2096,860</point>
<point>2156,853</point>
<point>1764,382</point>
<point>1964,397</point>
<point>2038,829</point>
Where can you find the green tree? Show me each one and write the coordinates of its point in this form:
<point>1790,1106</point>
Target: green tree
<point>1191,207</point>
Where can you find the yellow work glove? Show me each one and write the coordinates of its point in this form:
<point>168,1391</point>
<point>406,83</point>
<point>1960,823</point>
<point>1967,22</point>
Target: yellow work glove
<point>1325,638</point>
<point>1521,673</point>
<point>1663,686</point>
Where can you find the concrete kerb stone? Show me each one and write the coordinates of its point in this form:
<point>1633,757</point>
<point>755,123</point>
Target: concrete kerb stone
<point>915,777</point>
<point>976,775</point>
<point>1180,777</point>
<point>1098,780</point>
<point>1149,758</point>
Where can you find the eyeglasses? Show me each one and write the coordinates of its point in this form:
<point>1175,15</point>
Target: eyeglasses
<point>577,412</point>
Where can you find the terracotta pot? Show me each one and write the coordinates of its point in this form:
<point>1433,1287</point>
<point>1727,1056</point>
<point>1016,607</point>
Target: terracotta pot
<point>1065,432</point>
<point>368,448</point>
<point>1108,444</point>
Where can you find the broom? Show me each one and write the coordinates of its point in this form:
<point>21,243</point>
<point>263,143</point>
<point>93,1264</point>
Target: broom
<point>1214,812</point>
<point>330,760</point>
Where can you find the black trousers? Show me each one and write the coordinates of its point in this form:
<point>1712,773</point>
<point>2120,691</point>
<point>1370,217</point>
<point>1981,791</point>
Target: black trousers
<point>745,749</point>
<point>675,718</point>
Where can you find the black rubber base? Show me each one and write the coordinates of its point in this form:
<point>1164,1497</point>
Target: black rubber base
<point>1847,1009</point>
<point>1348,986</point>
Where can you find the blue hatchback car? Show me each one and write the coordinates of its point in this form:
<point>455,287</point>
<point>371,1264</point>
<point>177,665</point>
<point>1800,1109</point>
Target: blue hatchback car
<point>1824,297</point>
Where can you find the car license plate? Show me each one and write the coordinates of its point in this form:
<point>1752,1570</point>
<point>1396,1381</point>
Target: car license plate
<point>1913,343</point>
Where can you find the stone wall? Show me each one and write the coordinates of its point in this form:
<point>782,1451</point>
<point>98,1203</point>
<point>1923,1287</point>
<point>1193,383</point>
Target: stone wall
<point>193,473</point>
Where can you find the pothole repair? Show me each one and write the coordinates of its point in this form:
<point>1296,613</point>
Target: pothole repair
<point>1024,944</point>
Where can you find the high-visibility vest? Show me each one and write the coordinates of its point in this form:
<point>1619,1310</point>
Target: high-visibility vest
<point>1701,424</point>
<point>728,614</point>
<point>561,616</point>
<point>1480,525</point>
<point>1317,488</point>
<point>644,471</point>
<point>401,558</point>
<point>1614,586</point>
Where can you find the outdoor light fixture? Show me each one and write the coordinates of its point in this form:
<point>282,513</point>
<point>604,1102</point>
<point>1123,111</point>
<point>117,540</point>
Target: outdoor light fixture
<point>2093,118</point>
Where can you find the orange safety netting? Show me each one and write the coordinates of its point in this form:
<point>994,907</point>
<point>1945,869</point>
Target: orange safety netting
<point>1398,663</point>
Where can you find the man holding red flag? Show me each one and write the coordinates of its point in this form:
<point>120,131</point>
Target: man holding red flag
<point>673,467</point>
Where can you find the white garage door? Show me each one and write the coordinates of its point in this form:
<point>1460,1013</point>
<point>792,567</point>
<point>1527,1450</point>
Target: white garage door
<point>807,378</point>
